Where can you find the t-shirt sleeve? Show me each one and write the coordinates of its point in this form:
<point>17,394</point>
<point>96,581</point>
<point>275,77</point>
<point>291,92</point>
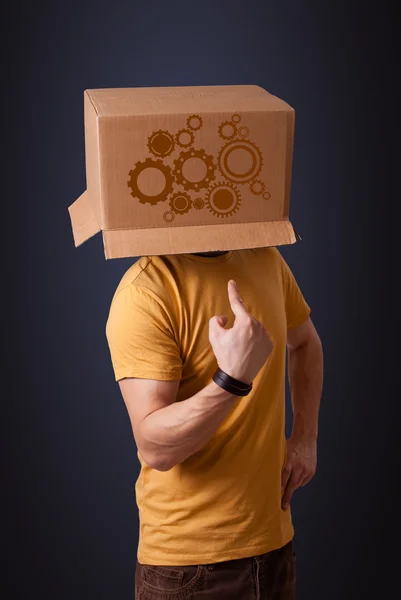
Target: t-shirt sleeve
<point>297,309</point>
<point>140,337</point>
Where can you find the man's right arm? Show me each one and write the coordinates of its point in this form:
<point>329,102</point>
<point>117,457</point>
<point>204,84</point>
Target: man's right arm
<point>167,432</point>
<point>173,431</point>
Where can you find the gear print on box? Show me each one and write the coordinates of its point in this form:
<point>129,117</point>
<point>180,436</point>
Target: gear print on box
<point>238,163</point>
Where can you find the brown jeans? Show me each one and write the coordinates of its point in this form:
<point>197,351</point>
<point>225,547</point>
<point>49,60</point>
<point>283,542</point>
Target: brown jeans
<point>269,576</point>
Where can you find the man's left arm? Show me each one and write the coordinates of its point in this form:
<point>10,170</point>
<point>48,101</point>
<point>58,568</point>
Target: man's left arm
<point>305,373</point>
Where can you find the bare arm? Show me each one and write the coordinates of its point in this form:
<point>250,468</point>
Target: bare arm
<point>305,372</point>
<point>173,431</point>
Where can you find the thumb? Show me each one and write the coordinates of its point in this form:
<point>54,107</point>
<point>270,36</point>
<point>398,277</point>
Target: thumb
<point>217,324</point>
<point>222,320</point>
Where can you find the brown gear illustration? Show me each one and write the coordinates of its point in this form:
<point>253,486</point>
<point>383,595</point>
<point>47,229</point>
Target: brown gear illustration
<point>184,138</point>
<point>232,154</point>
<point>236,118</point>
<point>223,199</point>
<point>194,122</point>
<point>161,143</point>
<point>169,216</point>
<point>180,203</point>
<point>227,130</point>
<point>257,187</point>
<point>202,161</point>
<point>198,203</point>
<point>141,167</point>
<point>243,131</point>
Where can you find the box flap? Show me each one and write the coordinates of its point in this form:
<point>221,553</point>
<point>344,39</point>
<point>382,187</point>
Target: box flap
<point>83,220</point>
<point>122,102</point>
<point>124,243</point>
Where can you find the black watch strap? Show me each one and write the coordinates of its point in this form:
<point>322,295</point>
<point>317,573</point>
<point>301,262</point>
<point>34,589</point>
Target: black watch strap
<point>231,385</point>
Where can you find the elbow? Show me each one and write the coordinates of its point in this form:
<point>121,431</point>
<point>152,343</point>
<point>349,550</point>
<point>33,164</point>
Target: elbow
<point>152,454</point>
<point>163,467</point>
<point>157,457</point>
<point>158,462</point>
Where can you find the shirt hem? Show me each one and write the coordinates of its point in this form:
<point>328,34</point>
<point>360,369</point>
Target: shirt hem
<point>301,319</point>
<point>189,559</point>
<point>158,375</point>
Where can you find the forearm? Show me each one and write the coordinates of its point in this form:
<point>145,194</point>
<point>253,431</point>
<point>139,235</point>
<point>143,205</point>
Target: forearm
<point>177,431</point>
<point>305,372</point>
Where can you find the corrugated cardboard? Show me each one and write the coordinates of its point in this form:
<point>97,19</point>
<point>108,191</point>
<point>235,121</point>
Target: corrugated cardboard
<point>185,169</point>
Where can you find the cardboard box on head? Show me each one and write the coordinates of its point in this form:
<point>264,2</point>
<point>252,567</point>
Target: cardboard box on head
<point>185,169</point>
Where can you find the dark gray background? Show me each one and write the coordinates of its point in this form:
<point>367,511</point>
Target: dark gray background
<point>67,449</point>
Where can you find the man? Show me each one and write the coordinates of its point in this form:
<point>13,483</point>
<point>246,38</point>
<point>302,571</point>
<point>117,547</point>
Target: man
<point>217,473</point>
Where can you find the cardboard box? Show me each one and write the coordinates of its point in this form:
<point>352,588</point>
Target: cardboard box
<point>185,169</point>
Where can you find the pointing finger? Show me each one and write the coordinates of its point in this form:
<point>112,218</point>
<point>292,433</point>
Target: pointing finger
<point>237,304</point>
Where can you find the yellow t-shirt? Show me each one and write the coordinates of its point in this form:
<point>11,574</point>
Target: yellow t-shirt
<point>224,501</point>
